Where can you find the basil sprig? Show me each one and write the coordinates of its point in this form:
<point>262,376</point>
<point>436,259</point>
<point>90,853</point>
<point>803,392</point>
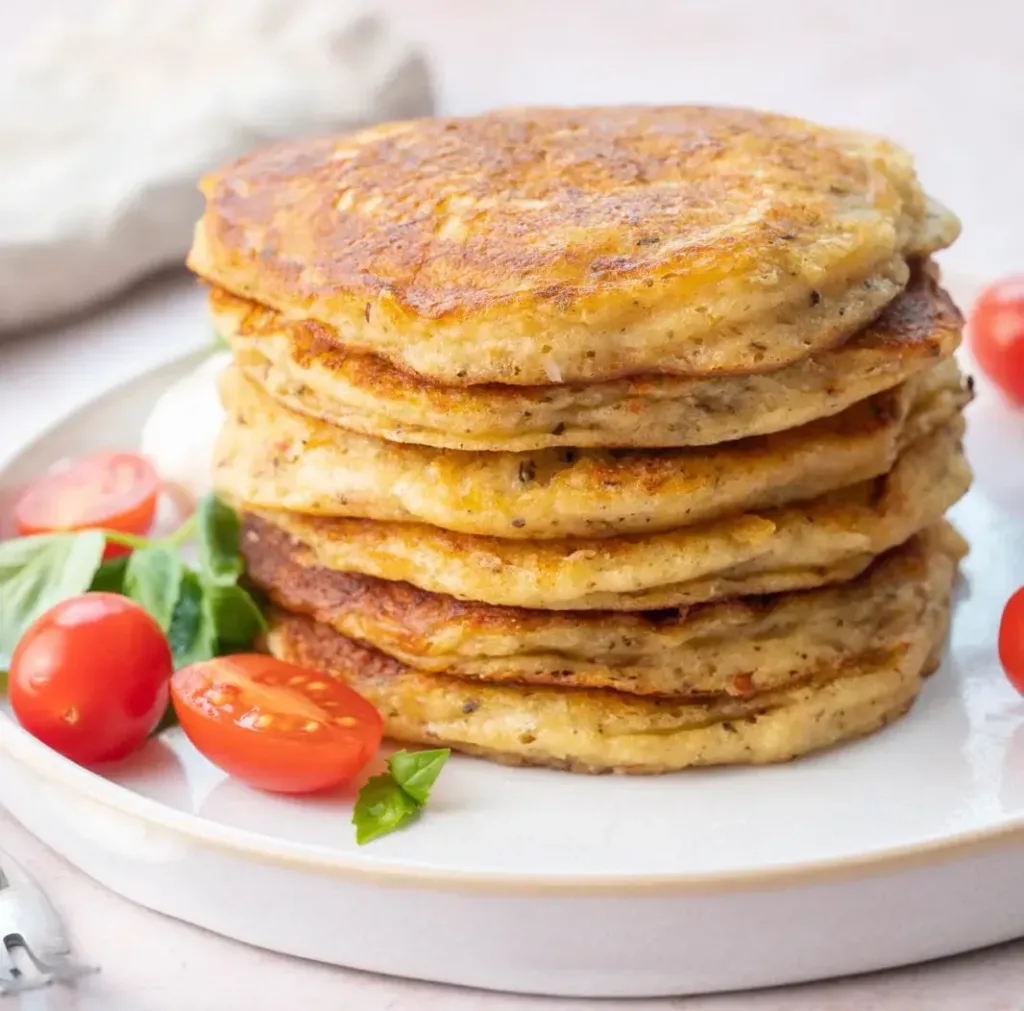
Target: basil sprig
<point>391,800</point>
<point>38,572</point>
<point>218,534</point>
<point>153,578</point>
<point>203,610</point>
<point>213,615</point>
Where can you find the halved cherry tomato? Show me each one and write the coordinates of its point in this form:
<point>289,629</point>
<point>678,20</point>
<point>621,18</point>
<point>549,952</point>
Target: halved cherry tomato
<point>997,335</point>
<point>115,491</point>
<point>274,725</point>
<point>1011,640</point>
<point>90,677</point>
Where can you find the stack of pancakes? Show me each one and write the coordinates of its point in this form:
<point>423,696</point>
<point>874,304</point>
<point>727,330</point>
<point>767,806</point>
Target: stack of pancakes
<point>600,439</point>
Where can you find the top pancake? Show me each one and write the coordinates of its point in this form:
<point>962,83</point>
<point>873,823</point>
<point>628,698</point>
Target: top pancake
<point>532,247</point>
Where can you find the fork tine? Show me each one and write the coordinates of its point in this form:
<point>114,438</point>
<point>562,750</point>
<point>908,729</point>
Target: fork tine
<point>34,947</point>
<point>42,974</point>
<point>9,972</point>
<point>56,967</point>
<point>20,944</point>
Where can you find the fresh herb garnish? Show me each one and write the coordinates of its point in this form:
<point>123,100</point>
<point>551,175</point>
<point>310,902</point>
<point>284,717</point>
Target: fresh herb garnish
<point>38,572</point>
<point>203,611</point>
<point>383,807</point>
<point>191,633</point>
<point>235,615</point>
<point>152,578</point>
<point>417,771</point>
<point>218,534</point>
<point>109,577</point>
<point>391,800</point>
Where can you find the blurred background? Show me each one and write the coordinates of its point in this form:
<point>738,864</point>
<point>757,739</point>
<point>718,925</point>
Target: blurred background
<point>109,109</point>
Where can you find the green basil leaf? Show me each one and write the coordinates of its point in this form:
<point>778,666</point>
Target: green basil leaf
<point>218,533</point>
<point>17,553</point>
<point>109,576</point>
<point>417,771</point>
<point>382,807</point>
<point>51,572</point>
<point>191,632</point>
<point>389,801</point>
<point>3,681</point>
<point>236,617</point>
<point>153,579</point>
<point>81,556</point>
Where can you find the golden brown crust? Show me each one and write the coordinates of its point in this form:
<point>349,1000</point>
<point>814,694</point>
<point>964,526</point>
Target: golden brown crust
<point>738,647</point>
<point>552,245</point>
<point>592,730</point>
<point>274,458</point>
<point>829,539</point>
<point>308,374</point>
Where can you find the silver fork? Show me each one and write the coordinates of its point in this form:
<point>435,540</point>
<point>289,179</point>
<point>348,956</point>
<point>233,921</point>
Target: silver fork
<point>34,947</point>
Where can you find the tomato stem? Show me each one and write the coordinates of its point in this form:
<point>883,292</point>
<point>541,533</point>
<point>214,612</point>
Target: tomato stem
<point>137,542</point>
<point>133,541</point>
<point>185,532</point>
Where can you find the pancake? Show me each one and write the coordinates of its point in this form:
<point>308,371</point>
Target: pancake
<point>307,373</point>
<point>539,246</point>
<point>590,730</point>
<point>738,647</point>
<point>829,539</point>
<point>273,458</point>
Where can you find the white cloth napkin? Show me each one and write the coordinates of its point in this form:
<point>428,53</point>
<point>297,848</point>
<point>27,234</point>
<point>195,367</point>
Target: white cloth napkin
<point>108,119</point>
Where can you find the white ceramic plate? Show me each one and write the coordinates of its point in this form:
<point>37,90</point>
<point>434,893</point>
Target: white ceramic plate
<point>903,847</point>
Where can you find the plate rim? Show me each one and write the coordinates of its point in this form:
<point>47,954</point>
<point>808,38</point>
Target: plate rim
<point>254,846</point>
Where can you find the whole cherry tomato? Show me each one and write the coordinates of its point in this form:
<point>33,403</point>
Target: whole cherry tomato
<point>1011,640</point>
<point>90,677</point>
<point>997,336</point>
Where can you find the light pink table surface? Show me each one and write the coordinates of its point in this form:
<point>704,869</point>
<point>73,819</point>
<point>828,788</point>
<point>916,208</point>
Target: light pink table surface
<point>946,77</point>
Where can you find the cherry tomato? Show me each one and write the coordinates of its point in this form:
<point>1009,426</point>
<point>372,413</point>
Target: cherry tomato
<point>273,725</point>
<point>116,491</point>
<point>90,677</point>
<point>997,335</point>
<point>1011,640</point>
